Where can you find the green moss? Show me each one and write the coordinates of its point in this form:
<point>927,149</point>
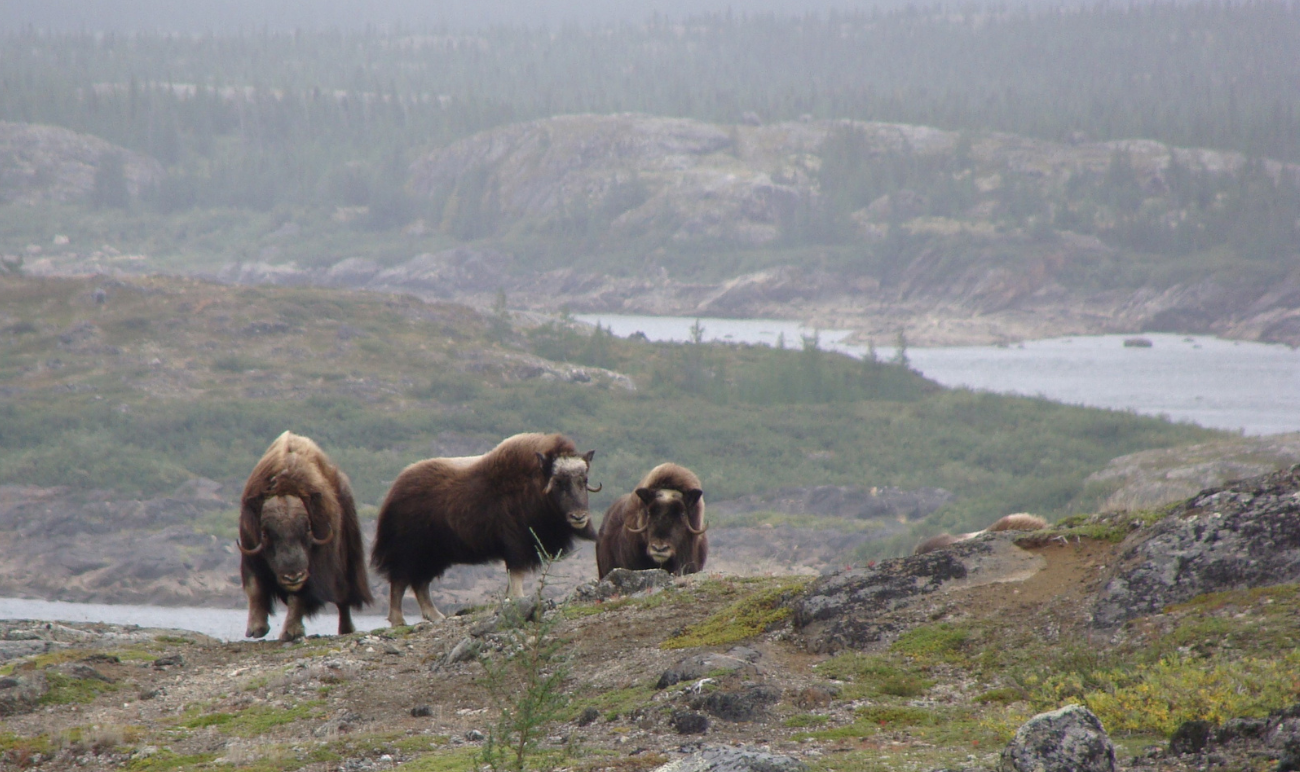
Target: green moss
<point>743,619</point>
<point>208,719</point>
<point>24,746</point>
<point>941,642</point>
<point>444,761</point>
<point>804,720</point>
<point>262,718</point>
<point>1004,695</point>
<point>65,689</point>
<point>167,761</point>
<point>614,702</point>
<point>873,675</point>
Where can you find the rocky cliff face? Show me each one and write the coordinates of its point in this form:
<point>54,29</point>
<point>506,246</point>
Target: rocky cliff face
<point>48,163</point>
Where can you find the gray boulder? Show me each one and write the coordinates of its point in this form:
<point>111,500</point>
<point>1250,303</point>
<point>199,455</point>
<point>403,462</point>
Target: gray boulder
<point>733,759</point>
<point>1070,739</point>
<point>20,693</point>
<point>624,582</point>
<point>1245,534</point>
<point>700,665</point>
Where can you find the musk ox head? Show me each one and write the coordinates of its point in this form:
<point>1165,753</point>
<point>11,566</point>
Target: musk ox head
<point>666,522</point>
<point>286,540</point>
<point>565,484</point>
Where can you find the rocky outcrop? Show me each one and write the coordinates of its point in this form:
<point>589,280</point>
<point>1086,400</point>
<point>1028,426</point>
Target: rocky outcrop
<point>49,163</point>
<point>1245,534</point>
<point>848,609</point>
<point>1153,478</point>
<point>1067,740</point>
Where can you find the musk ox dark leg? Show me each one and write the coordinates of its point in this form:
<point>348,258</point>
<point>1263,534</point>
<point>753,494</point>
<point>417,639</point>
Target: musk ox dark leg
<point>396,590</point>
<point>293,629</point>
<point>516,587</point>
<point>427,609</point>
<point>258,607</point>
<point>345,620</point>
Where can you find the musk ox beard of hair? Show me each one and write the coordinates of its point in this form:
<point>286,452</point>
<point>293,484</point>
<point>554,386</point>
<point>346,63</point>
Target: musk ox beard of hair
<point>1021,521</point>
<point>299,538</point>
<point>527,493</point>
<point>659,525</point>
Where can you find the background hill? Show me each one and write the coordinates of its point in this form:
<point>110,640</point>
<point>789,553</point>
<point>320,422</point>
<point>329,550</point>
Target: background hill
<point>133,410</point>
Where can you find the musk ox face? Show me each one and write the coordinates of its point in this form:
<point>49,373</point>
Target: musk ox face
<point>566,487</point>
<point>667,524</point>
<point>286,541</point>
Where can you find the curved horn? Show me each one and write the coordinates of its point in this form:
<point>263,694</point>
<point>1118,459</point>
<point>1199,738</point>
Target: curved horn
<point>642,529</point>
<point>597,489</point>
<point>329,537</point>
<point>703,527</point>
<point>251,552</point>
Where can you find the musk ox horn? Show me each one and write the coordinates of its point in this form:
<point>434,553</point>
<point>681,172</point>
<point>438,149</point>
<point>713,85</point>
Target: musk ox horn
<point>642,529</point>
<point>597,489</point>
<point>329,537</point>
<point>703,527</point>
<point>251,552</point>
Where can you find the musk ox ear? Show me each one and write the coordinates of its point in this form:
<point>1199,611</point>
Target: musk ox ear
<point>692,497</point>
<point>646,495</point>
<point>588,456</point>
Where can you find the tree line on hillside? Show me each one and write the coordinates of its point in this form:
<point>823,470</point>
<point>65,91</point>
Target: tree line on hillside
<point>332,119</point>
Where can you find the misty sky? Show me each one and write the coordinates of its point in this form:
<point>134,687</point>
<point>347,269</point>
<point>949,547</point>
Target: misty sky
<point>193,16</point>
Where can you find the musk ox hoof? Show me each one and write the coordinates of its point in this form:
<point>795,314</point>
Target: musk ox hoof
<point>257,631</point>
<point>292,632</point>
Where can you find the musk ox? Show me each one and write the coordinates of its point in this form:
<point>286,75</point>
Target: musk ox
<point>659,525</point>
<point>528,492</point>
<point>1021,521</point>
<point>299,538</point>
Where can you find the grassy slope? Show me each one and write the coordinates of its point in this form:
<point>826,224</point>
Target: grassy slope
<point>171,378</point>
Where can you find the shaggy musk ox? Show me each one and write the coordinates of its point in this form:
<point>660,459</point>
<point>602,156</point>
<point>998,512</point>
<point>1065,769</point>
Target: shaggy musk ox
<point>659,525</point>
<point>1021,521</point>
<point>529,491</point>
<point>300,539</point>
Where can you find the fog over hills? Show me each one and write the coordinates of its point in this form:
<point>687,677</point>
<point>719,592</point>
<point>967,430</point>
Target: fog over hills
<point>282,15</point>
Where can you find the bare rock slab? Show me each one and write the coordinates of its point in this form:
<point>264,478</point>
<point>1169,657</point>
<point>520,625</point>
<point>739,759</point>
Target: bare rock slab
<point>848,609</point>
<point>734,759</point>
<point>622,582</point>
<point>1070,739</point>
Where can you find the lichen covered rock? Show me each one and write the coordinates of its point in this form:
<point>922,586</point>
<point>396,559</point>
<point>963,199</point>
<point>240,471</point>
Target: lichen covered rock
<point>1070,739</point>
<point>1245,534</point>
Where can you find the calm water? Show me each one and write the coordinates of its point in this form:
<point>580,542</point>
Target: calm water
<point>226,624</point>
<point>1222,384</point>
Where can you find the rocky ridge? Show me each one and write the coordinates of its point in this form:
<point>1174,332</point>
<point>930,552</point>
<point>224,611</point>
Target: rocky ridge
<point>48,163</point>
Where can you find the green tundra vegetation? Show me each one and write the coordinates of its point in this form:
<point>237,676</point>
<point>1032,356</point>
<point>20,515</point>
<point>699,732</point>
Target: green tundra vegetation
<point>139,387</point>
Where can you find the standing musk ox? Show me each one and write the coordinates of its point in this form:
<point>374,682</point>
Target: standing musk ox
<point>300,539</point>
<point>660,525</point>
<point>1021,521</point>
<point>527,493</point>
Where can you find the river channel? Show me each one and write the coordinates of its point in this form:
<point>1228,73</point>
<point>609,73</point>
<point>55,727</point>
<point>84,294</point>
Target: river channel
<point>1222,384</point>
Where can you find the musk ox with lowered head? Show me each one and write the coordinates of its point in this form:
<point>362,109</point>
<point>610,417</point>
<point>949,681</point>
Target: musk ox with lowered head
<point>1021,521</point>
<point>529,491</point>
<point>659,525</point>
<point>300,539</point>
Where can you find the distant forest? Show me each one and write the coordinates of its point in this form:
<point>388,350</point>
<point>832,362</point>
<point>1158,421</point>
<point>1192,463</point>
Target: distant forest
<point>263,119</point>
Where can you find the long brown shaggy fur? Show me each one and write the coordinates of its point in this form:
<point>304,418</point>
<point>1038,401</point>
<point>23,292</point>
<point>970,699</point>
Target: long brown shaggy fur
<point>440,513</point>
<point>294,466</point>
<point>933,543</point>
<point>1021,521</point>
<point>616,547</point>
